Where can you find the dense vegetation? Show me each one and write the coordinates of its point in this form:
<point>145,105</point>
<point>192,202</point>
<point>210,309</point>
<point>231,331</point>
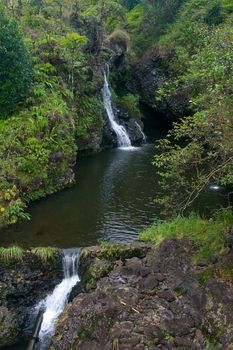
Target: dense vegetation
<point>51,79</point>
<point>15,65</point>
<point>202,68</point>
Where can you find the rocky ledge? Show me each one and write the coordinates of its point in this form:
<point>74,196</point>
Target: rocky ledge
<point>144,297</point>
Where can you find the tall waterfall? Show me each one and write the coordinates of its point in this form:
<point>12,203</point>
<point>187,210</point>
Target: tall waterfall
<point>54,303</point>
<point>123,139</point>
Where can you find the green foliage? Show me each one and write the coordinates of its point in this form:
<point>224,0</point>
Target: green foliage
<point>15,65</point>
<point>16,212</point>
<point>148,20</point>
<point>11,254</point>
<point>199,149</point>
<point>90,111</point>
<point>45,254</point>
<point>130,4</point>
<point>11,207</point>
<point>131,103</point>
<point>209,236</point>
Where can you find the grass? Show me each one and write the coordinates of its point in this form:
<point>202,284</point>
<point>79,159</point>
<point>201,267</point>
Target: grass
<point>209,236</point>
<point>11,254</point>
<point>45,254</point>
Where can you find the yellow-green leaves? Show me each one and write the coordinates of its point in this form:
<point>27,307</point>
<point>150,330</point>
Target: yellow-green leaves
<point>73,40</point>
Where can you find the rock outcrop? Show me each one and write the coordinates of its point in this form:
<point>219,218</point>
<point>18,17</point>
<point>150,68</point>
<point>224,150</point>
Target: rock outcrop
<point>152,73</point>
<point>22,285</point>
<point>143,297</point>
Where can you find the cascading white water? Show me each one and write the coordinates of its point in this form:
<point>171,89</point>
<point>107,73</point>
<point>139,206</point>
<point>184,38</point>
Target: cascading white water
<point>55,302</point>
<point>123,139</point>
<point>141,132</point>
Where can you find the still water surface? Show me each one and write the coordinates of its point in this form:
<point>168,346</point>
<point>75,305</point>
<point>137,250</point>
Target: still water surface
<point>112,200</point>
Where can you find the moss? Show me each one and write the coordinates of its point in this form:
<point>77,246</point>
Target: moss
<point>168,337</point>
<point>150,344</point>
<point>206,275</point>
<point>119,38</point>
<point>131,103</point>
<point>3,290</point>
<point>87,332</point>
<point>115,251</point>
<point>226,273</point>
<point>98,269</point>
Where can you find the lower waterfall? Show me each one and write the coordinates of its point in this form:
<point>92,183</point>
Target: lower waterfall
<point>54,303</point>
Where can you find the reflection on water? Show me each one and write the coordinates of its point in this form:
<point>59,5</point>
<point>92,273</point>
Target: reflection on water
<point>112,199</point>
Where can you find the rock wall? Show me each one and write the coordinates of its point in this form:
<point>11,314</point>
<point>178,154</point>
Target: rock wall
<point>22,285</point>
<point>151,73</point>
<point>143,297</point>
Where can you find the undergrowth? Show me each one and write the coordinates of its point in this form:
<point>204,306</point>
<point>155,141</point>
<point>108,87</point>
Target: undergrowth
<point>208,236</point>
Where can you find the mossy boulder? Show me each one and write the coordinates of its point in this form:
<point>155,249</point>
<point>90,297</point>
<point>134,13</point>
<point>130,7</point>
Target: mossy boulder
<point>96,262</point>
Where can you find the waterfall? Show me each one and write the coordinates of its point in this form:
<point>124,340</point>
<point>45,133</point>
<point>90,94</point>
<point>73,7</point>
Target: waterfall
<point>54,303</point>
<point>141,132</point>
<point>123,139</point>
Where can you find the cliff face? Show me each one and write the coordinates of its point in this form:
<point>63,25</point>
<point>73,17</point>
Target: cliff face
<point>149,74</point>
<point>142,297</point>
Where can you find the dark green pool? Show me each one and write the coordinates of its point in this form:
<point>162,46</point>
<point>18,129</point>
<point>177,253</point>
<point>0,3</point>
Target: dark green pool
<point>112,199</point>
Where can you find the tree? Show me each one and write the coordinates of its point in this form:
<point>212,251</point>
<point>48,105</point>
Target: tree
<point>15,65</point>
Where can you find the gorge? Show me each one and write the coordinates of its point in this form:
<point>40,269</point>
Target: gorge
<point>116,174</point>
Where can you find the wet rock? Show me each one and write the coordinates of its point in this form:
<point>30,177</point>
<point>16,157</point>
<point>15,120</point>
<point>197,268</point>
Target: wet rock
<point>150,298</point>
<point>152,73</point>
<point>22,285</point>
<point>130,124</point>
<point>9,326</point>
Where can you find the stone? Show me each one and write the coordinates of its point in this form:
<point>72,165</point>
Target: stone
<point>153,300</point>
